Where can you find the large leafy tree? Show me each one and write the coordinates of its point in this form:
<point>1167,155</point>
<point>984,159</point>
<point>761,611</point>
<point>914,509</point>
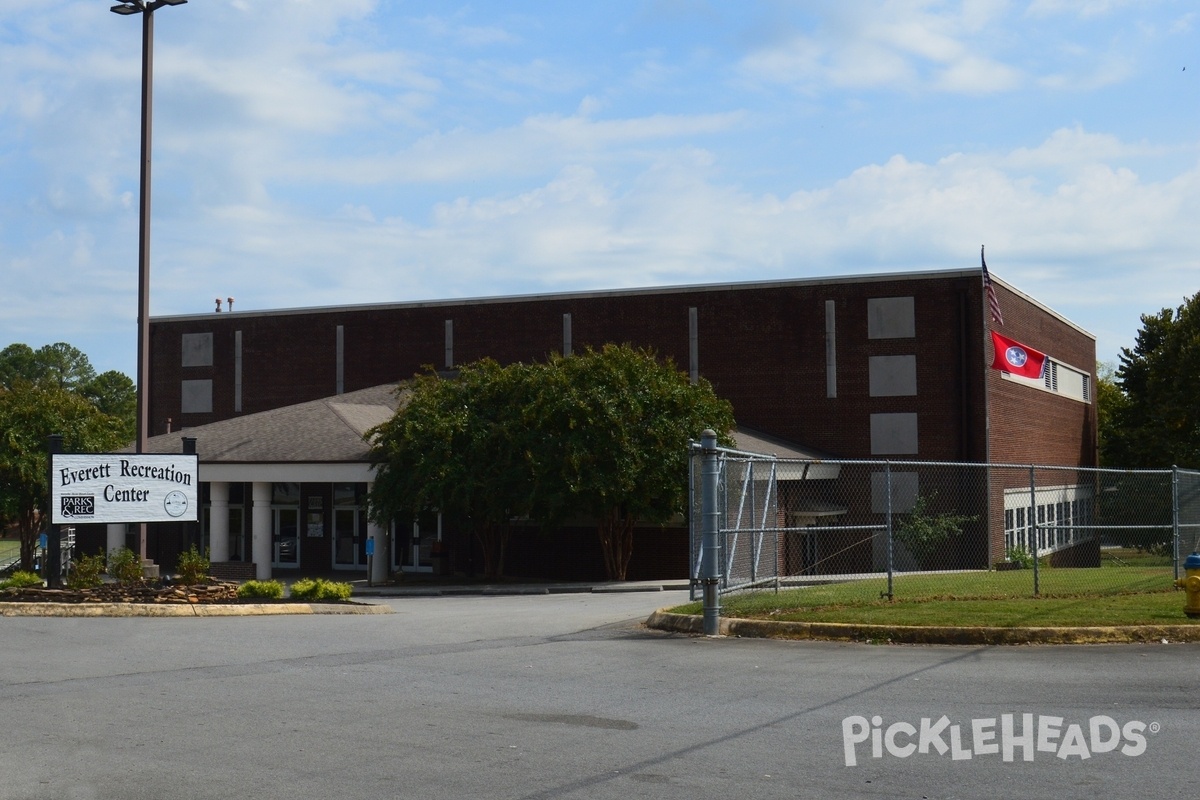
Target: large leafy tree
<point>64,366</point>
<point>1110,400</point>
<point>457,445</point>
<point>59,364</point>
<point>29,414</point>
<point>616,425</point>
<point>114,393</point>
<point>1156,420</point>
<point>603,434</point>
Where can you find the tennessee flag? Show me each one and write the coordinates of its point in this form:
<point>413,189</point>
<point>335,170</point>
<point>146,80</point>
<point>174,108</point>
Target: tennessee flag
<point>1016,358</point>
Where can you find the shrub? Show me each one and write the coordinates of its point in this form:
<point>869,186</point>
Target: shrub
<point>125,567</point>
<point>266,590</point>
<point>1019,555</point>
<point>192,567</point>
<point>85,572</point>
<point>319,590</point>
<point>924,533</point>
<point>22,580</point>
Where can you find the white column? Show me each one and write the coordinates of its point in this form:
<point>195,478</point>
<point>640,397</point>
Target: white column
<point>381,559</point>
<point>260,530</point>
<point>116,536</point>
<point>218,521</point>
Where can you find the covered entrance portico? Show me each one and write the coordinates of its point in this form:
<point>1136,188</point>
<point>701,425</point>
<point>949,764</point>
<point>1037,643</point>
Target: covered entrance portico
<point>286,490</point>
<point>307,517</point>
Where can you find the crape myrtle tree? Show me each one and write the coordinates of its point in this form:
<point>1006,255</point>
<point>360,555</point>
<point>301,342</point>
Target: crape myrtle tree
<point>616,424</point>
<point>29,414</point>
<point>457,445</point>
<point>602,434</point>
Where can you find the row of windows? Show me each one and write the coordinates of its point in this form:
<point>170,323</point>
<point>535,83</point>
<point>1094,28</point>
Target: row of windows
<point>1057,525</point>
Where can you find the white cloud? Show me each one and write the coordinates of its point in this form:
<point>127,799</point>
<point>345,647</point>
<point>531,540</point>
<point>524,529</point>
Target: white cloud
<point>902,45</point>
<point>1080,8</point>
<point>311,153</point>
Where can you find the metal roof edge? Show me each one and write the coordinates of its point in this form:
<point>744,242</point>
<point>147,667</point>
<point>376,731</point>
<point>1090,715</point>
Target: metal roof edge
<point>880,277</point>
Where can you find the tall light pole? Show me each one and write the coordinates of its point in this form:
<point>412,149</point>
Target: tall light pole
<point>147,10</point>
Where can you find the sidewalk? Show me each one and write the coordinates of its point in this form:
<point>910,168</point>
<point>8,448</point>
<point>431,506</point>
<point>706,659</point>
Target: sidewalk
<point>446,587</point>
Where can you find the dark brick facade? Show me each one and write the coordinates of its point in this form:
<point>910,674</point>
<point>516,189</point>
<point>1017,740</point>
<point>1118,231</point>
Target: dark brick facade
<point>762,346</point>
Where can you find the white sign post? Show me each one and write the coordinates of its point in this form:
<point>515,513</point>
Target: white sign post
<point>115,487</point>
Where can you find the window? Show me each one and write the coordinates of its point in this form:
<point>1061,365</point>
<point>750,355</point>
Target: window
<point>1058,513</point>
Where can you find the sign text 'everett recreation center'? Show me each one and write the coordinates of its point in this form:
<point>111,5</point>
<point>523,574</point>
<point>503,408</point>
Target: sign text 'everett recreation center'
<point>108,487</point>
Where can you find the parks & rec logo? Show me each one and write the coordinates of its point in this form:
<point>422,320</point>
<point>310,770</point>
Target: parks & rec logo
<point>1005,737</point>
<point>80,505</point>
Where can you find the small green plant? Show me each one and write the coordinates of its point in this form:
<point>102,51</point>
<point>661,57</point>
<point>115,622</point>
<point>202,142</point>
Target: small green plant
<point>1019,555</point>
<point>924,533</point>
<point>85,572</point>
<point>265,590</point>
<point>319,590</point>
<point>192,567</point>
<point>22,580</point>
<point>125,567</point>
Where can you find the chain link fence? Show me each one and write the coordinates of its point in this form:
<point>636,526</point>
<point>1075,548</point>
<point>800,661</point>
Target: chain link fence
<point>935,527</point>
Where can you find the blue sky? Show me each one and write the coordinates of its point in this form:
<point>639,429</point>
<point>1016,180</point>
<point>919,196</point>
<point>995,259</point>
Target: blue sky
<point>319,153</point>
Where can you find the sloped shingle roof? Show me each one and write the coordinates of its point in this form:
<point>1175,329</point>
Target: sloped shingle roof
<point>320,431</point>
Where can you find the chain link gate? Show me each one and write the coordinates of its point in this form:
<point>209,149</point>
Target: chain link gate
<point>1068,529</point>
<point>747,510</point>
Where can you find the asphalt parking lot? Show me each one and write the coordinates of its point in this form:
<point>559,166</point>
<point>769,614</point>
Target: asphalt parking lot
<point>568,696</point>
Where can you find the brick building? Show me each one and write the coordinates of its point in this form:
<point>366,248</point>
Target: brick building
<point>879,366</point>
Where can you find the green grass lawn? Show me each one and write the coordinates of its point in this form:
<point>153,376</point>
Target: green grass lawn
<point>1125,595</point>
<point>9,548</point>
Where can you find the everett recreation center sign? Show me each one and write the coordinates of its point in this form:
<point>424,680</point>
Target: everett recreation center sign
<point>114,487</point>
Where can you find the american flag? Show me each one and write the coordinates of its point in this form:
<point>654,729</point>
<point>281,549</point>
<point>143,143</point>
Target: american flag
<point>993,303</point>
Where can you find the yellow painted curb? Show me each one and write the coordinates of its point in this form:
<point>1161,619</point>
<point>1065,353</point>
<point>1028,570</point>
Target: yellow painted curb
<point>901,634</point>
<point>182,609</point>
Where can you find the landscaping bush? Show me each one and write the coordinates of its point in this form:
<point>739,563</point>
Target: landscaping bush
<point>22,580</point>
<point>1020,556</point>
<point>926,534</point>
<point>266,590</point>
<point>192,567</point>
<point>125,567</point>
<point>85,572</point>
<point>319,590</point>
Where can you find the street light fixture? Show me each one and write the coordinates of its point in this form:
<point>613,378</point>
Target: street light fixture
<point>146,9</point>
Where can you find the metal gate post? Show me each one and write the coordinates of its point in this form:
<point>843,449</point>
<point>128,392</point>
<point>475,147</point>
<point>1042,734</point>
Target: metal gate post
<point>1175,519</point>
<point>887,471</point>
<point>1033,528</point>
<point>710,569</point>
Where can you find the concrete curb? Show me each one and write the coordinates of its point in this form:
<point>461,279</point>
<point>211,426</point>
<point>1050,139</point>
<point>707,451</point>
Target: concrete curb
<point>663,619</point>
<point>182,610</point>
<point>496,590</point>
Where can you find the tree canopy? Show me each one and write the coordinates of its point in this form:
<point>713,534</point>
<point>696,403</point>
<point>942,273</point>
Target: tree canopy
<point>59,364</point>
<point>66,367</point>
<point>602,434</point>
<point>29,414</point>
<point>1154,421</point>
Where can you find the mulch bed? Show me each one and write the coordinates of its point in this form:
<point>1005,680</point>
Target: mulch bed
<point>216,592</point>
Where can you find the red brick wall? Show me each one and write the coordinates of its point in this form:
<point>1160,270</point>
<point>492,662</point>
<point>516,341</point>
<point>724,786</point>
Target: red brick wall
<point>762,347</point>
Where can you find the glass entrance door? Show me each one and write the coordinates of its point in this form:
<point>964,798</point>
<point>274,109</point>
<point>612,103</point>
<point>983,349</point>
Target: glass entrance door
<point>347,550</point>
<point>423,545</point>
<point>286,537</point>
